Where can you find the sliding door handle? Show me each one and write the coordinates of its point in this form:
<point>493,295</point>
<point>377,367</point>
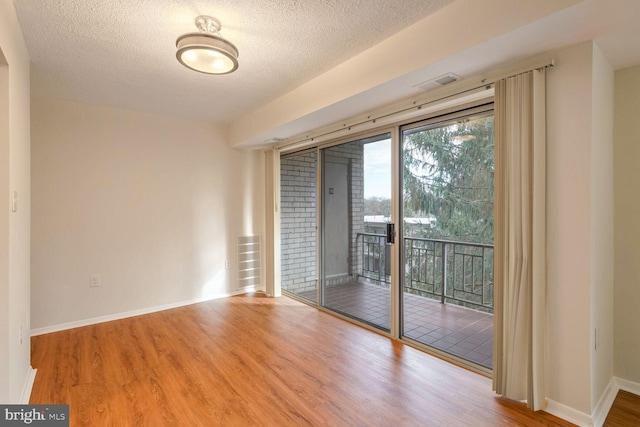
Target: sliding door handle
<point>391,233</point>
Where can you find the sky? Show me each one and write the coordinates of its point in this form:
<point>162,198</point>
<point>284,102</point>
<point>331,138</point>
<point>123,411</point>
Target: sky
<point>377,169</point>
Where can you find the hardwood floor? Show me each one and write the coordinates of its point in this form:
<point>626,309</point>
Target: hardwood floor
<point>625,411</point>
<point>252,361</point>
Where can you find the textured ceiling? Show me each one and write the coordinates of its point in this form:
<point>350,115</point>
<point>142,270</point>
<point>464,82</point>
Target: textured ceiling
<point>121,53</point>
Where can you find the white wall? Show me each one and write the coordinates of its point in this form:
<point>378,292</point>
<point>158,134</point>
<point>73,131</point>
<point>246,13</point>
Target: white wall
<point>580,227</point>
<point>14,226</point>
<point>153,205</point>
<point>5,304</point>
<point>601,263</point>
<point>627,224</point>
<point>569,101</point>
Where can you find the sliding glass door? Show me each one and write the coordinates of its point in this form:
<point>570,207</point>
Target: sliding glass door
<point>355,211</point>
<point>447,234</point>
<point>427,279</point>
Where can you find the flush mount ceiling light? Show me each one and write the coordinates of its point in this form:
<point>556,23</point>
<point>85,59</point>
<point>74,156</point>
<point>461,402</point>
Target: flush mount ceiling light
<point>206,51</point>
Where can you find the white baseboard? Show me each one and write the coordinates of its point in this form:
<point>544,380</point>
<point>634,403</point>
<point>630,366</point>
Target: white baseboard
<point>28,386</point>
<point>567,413</point>
<point>626,385</point>
<point>601,410</point>
<point>603,407</point>
<point>118,316</point>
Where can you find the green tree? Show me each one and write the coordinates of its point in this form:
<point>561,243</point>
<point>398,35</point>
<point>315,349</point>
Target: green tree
<point>448,174</point>
<point>377,206</point>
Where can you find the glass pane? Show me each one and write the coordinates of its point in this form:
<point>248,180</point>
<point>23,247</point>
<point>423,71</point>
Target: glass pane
<point>448,237</point>
<point>356,205</point>
<point>298,225</point>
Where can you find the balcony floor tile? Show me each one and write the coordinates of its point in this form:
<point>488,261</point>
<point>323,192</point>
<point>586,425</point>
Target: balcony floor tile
<point>461,331</point>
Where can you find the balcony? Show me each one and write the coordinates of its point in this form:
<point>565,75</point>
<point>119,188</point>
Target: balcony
<point>460,331</point>
<point>447,300</point>
<point>459,273</point>
<point>451,312</point>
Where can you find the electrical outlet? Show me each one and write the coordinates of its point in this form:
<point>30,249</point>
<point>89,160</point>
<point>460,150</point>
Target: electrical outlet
<point>94,281</point>
<point>20,340</point>
<point>227,264</point>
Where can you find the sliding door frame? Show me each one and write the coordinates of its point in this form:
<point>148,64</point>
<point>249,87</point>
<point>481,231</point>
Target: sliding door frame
<point>469,111</point>
<point>394,129</point>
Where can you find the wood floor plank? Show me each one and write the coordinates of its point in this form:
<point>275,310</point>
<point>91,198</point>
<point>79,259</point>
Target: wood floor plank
<point>251,360</point>
<point>625,411</point>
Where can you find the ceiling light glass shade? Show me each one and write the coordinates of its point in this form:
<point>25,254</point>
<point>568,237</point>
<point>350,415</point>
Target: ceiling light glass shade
<point>207,53</point>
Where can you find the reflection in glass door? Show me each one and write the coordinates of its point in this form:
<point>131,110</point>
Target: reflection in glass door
<point>447,235</point>
<point>355,211</point>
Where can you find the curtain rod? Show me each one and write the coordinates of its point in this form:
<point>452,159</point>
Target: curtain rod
<point>405,107</point>
<point>545,64</point>
<point>375,118</point>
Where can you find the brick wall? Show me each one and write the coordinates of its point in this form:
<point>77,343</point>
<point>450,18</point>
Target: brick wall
<point>298,222</point>
<point>298,211</point>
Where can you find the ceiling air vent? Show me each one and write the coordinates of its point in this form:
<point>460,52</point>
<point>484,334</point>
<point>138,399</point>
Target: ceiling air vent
<point>439,81</point>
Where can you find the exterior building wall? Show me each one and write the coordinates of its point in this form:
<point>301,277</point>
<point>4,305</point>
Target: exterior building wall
<point>298,212</point>
<point>352,152</point>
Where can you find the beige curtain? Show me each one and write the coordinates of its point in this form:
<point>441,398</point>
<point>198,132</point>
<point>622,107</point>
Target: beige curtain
<point>520,239</point>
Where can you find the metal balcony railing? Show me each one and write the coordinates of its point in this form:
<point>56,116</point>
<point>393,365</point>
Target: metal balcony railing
<point>374,257</point>
<point>452,272</point>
